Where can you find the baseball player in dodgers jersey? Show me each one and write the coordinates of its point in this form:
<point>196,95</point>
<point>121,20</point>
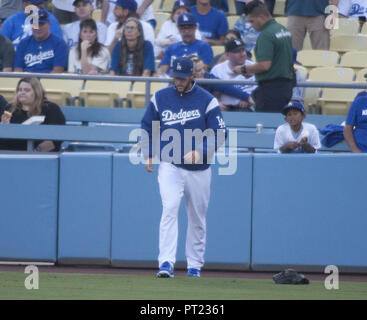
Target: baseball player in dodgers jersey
<point>179,109</point>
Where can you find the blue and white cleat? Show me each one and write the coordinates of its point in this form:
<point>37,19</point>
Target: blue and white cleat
<point>193,273</point>
<point>165,271</point>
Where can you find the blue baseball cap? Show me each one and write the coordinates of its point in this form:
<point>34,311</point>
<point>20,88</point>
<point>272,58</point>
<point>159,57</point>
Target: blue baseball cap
<point>182,67</point>
<point>34,1</point>
<point>127,4</point>
<point>87,1</point>
<point>180,3</point>
<point>293,105</point>
<point>186,19</point>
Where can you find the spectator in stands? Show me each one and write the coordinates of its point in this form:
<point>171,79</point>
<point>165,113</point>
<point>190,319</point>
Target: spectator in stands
<point>355,129</point>
<point>84,10</point>
<point>236,56</point>
<point>248,33</point>
<point>64,11</point>
<point>144,11</point>
<point>18,26</point>
<point>189,45</point>
<point>42,51</point>
<point>6,55</point>
<point>8,8</point>
<point>217,89</point>
<point>296,136</point>
<point>231,34</point>
<point>308,16</point>
<point>123,10</point>
<point>169,33</point>
<point>89,56</point>
<point>132,55</point>
<point>274,60</point>
<point>212,23</point>
<point>217,4</point>
<point>30,100</point>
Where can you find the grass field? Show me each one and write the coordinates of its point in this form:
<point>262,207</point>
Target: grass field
<point>146,287</point>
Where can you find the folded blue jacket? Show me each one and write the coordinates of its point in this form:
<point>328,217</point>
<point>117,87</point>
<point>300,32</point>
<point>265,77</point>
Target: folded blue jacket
<point>333,134</point>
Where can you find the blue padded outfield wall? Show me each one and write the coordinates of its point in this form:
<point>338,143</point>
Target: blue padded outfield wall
<point>305,211</point>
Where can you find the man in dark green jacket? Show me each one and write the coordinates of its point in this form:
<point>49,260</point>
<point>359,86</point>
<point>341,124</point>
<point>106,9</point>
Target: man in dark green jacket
<point>274,60</point>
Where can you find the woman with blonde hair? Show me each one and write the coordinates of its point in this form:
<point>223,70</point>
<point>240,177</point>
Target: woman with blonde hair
<point>30,100</point>
<point>132,55</point>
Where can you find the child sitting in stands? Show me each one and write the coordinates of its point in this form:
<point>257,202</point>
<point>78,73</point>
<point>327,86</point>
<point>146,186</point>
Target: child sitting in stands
<point>296,136</point>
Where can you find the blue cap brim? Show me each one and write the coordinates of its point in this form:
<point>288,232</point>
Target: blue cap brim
<point>180,75</point>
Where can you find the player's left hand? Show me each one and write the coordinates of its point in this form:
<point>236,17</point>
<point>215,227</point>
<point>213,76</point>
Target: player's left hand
<point>303,141</point>
<point>192,157</point>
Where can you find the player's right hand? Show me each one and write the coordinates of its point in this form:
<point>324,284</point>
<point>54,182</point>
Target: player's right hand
<point>148,165</point>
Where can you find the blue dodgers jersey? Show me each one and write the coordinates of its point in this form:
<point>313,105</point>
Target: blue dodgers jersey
<point>199,48</point>
<point>195,109</point>
<point>211,25</point>
<point>17,27</point>
<point>357,116</point>
<point>43,56</point>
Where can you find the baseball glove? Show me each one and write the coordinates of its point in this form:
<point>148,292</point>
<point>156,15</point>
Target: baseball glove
<point>290,276</point>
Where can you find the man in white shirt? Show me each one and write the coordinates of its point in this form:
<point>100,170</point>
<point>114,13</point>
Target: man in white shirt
<point>84,10</point>
<point>236,56</point>
<point>296,136</point>
<point>125,9</point>
<point>355,9</point>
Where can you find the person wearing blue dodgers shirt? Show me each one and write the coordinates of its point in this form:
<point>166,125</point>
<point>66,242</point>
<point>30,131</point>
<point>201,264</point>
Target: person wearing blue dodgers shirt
<point>188,46</point>
<point>186,171</point>
<point>18,26</point>
<point>355,129</point>
<point>42,51</point>
<point>212,23</point>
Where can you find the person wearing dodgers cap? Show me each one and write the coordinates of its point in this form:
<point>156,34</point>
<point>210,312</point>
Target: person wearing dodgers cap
<point>296,136</point>
<point>182,108</point>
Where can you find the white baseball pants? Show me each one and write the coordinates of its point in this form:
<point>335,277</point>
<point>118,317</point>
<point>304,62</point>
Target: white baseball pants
<point>174,183</point>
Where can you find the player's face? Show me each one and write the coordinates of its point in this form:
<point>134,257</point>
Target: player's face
<point>294,117</point>
<point>237,58</point>
<point>131,31</point>
<point>183,85</point>
<point>83,10</point>
<point>187,33</point>
<point>87,33</point>
<point>42,32</point>
<point>25,94</point>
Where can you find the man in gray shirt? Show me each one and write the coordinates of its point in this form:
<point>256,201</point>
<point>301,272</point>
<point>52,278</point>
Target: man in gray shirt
<point>9,7</point>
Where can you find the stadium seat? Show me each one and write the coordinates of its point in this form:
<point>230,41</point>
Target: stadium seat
<point>136,96</point>
<point>7,87</point>
<point>364,28</point>
<point>104,93</point>
<point>156,5</point>
<point>167,6</point>
<point>160,17</point>
<point>344,43</point>
<point>282,20</point>
<point>64,92</point>
<point>336,100</point>
<point>97,14</point>
<point>232,21</point>
<point>360,76</point>
<point>217,50</point>
<point>317,58</point>
<point>302,70</point>
<point>354,59</point>
<point>326,74</point>
<point>346,26</point>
